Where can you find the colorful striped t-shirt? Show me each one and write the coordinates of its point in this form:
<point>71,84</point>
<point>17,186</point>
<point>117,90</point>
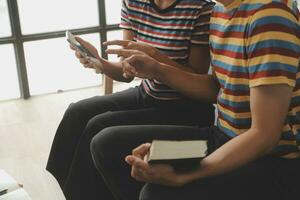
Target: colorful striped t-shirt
<point>254,43</point>
<point>172,31</point>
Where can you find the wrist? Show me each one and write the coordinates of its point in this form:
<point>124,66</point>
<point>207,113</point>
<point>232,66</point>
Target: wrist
<point>161,72</point>
<point>100,67</point>
<point>102,64</point>
<point>158,72</point>
<point>187,178</point>
<point>199,173</point>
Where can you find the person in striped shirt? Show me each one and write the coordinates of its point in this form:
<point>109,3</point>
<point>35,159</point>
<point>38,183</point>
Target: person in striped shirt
<point>254,150</point>
<point>174,32</point>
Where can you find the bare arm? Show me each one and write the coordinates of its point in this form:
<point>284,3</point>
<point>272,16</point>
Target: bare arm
<point>197,86</point>
<point>198,62</point>
<point>263,136</point>
<point>267,123</point>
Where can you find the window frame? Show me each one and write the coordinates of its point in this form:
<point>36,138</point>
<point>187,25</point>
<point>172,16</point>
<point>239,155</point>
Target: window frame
<point>17,39</point>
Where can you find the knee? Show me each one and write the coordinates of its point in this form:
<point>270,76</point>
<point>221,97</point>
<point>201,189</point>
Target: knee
<point>144,194</point>
<point>105,140</point>
<point>74,110</point>
<point>85,108</point>
<point>99,122</point>
<point>150,192</point>
<point>102,145</point>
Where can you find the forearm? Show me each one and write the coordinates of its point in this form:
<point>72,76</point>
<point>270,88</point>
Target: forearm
<point>166,60</point>
<point>114,70</point>
<point>267,121</point>
<point>197,86</point>
<point>234,154</point>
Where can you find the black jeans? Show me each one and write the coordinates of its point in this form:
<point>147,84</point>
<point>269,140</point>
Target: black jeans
<point>266,178</point>
<point>70,159</point>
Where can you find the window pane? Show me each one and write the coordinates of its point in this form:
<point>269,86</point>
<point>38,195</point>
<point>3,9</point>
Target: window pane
<point>5,30</point>
<point>43,16</point>
<point>9,85</point>
<point>52,66</point>
<point>113,11</point>
<point>114,35</point>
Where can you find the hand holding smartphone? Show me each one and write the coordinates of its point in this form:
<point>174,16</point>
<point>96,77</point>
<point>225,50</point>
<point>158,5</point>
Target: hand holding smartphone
<point>71,39</point>
<point>84,51</point>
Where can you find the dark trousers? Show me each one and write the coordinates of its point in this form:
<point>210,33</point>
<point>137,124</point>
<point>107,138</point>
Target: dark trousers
<point>70,158</point>
<point>266,178</point>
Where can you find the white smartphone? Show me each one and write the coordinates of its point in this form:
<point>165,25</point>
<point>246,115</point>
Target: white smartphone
<point>71,39</point>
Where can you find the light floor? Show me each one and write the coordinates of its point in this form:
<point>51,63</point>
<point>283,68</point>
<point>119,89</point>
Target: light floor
<point>27,128</point>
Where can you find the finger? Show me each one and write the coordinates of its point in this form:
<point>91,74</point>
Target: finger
<point>78,55</point>
<point>128,69</point>
<point>123,52</point>
<point>128,74</point>
<point>94,65</point>
<point>117,42</point>
<point>142,150</point>
<point>132,70</point>
<point>140,175</point>
<point>83,61</point>
<point>132,60</point>
<point>125,75</point>
<point>83,42</point>
<point>119,52</point>
<point>80,40</point>
<point>137,163</point>
<point>72,47</point>
<point>132,45</point>
<point>89,63</point>
<point>86,66</point>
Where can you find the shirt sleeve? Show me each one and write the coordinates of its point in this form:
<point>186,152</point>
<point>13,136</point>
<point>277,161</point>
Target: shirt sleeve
<point>125,20</point>
<point>273,46</point>
<point>200,35</point>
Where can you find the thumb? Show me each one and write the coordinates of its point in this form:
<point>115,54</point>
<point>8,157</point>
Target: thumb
<point>129,68</point>
<point>79,39</point>
<point>134,59</point>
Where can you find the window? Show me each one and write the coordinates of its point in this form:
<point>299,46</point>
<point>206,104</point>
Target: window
<point>45,16</point>
<point>5,30</point>
<point>52,66</point>
<point>113,11</point>
<point>37,39</point>
<point>9,85</point>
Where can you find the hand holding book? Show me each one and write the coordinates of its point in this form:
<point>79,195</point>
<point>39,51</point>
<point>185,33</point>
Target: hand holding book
<point>159,172</point>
